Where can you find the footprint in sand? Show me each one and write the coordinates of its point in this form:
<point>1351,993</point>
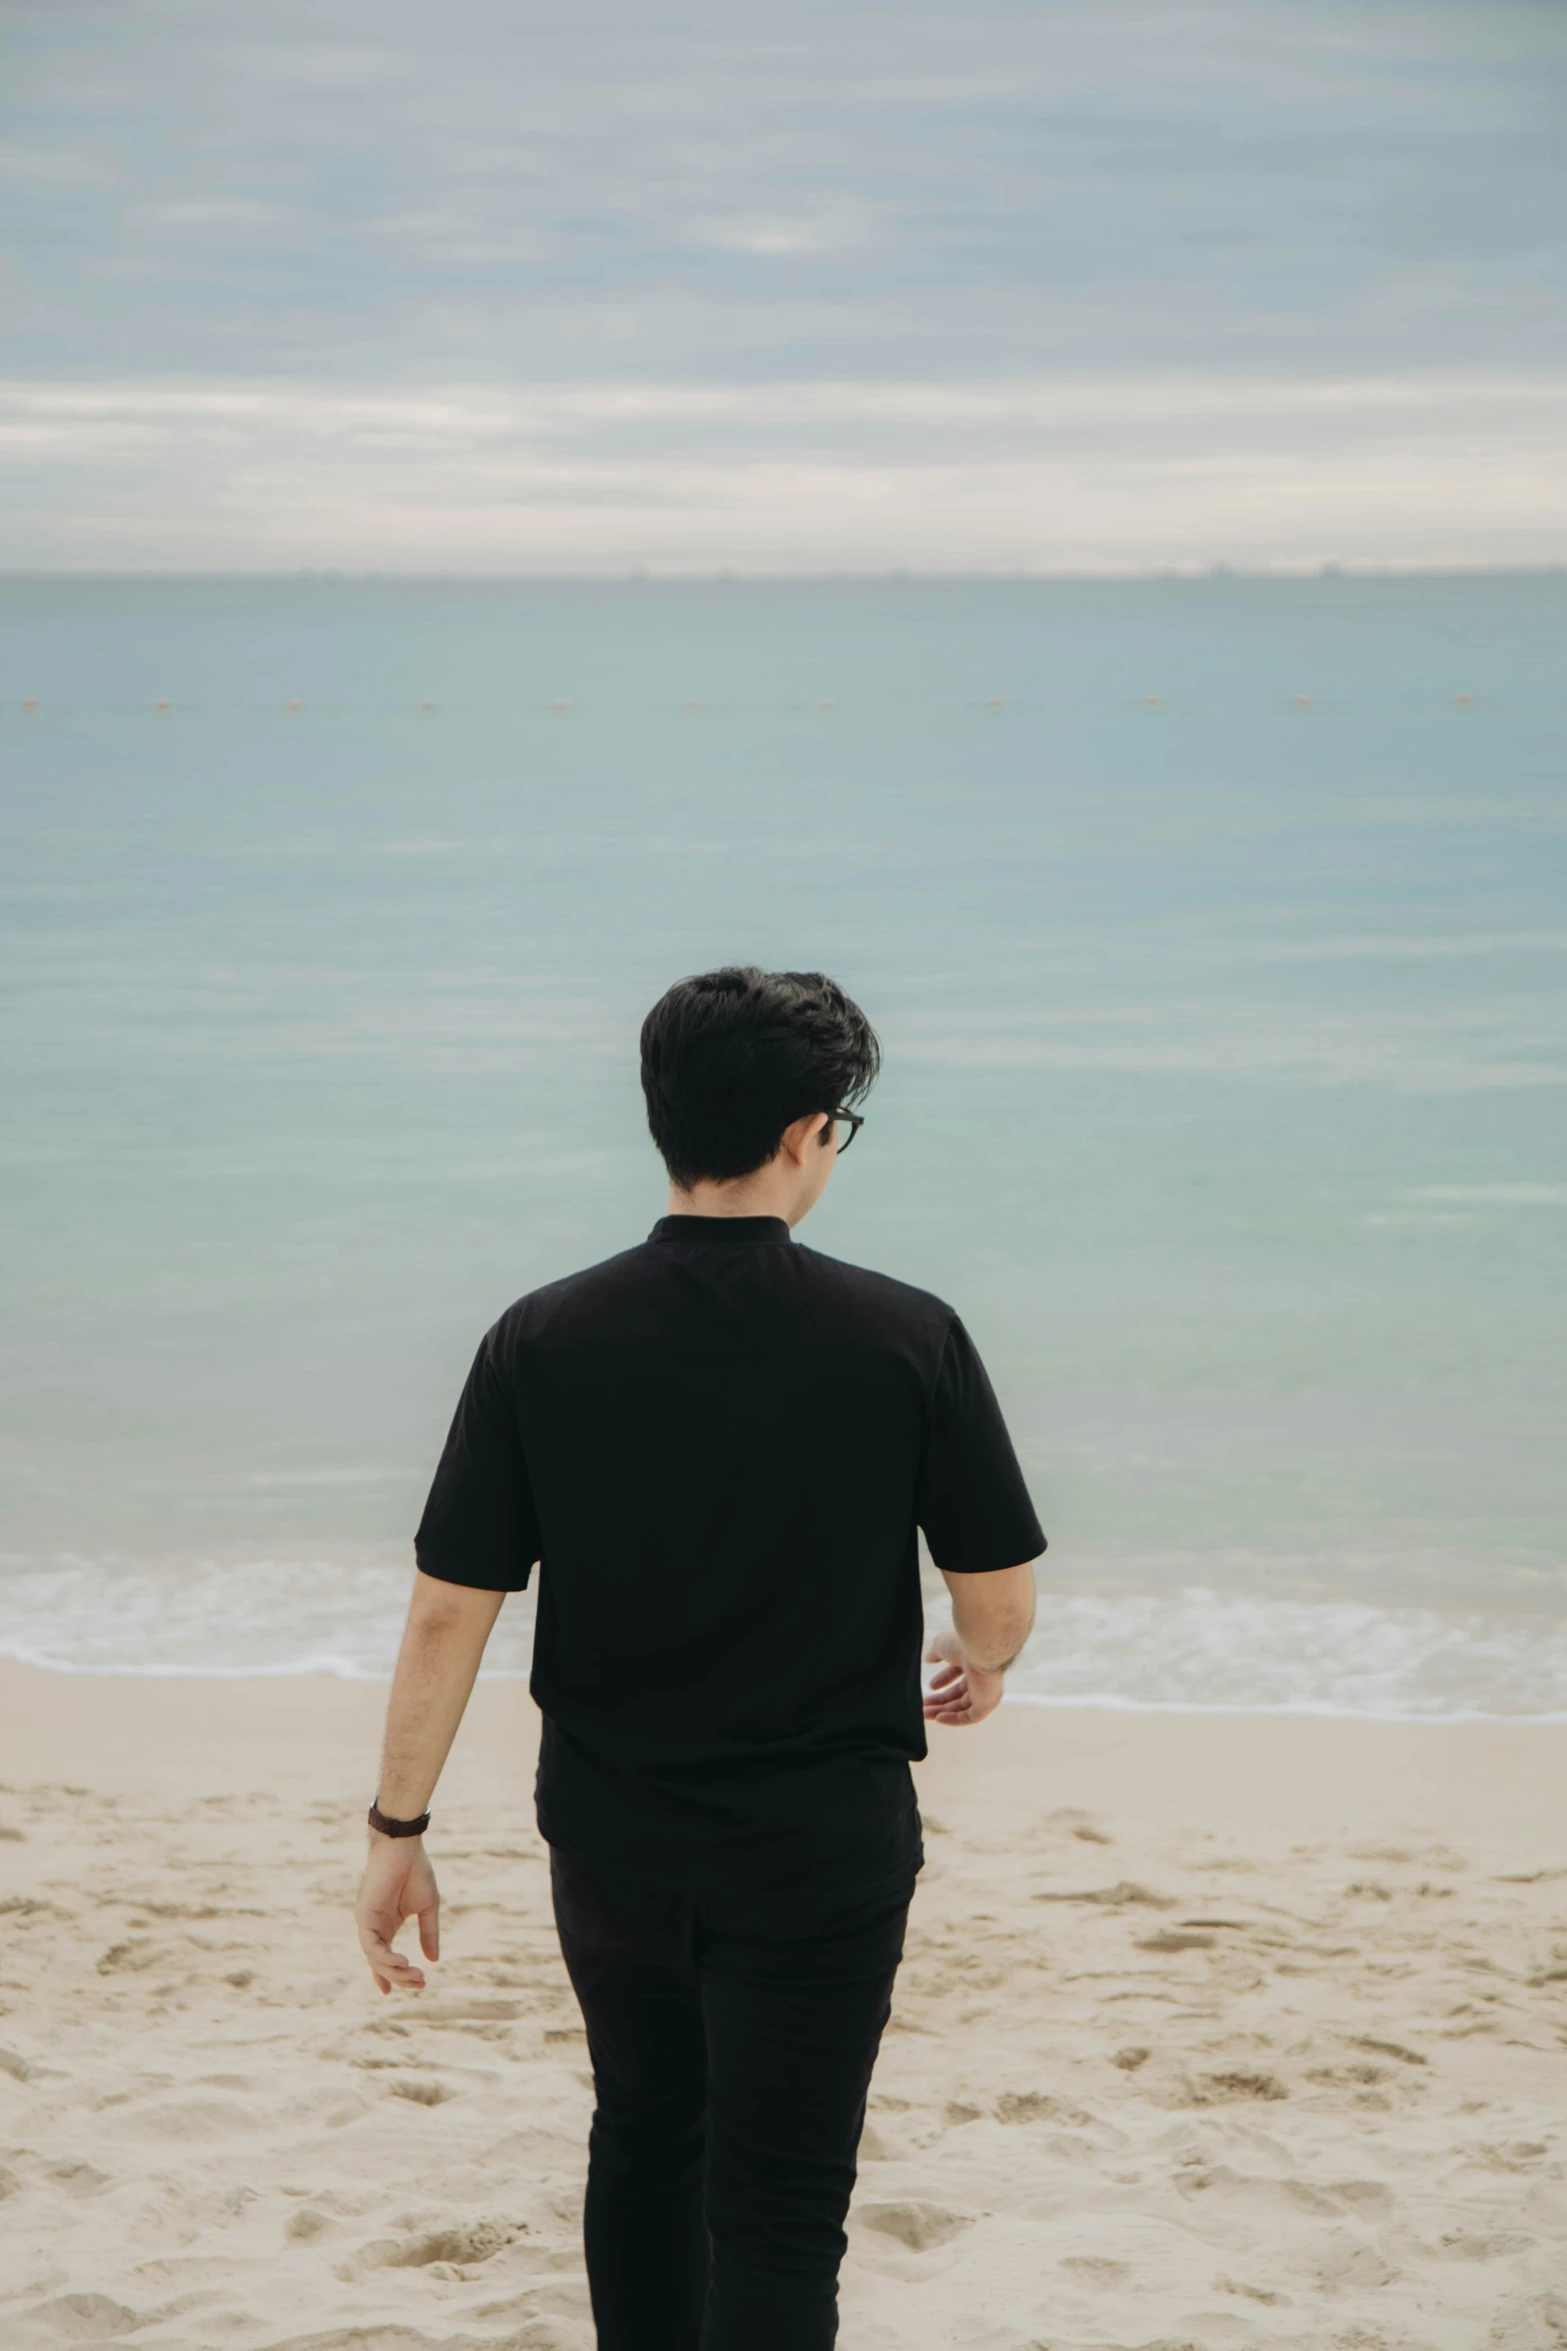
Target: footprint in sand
<point>474,2240</point>
<point>1368,2198</point>
<point>919,2226</point>
<point>1390,2049</point>
<point>1468,2245</point>
<point>1236,2083</point>
<point>1224,2285</point>
<point>134,1957</point>
<point>195,2120</point>
<point>1518,2155</point>
<point>1094,2269</point>
<point>85,2318</point>
<point>1126,1892</point>
<point>1350,2261</point>
<point>1537,2324</point>
<point>1218,2183</point>
<point>76,2175</point>
<point>1035,2106</point>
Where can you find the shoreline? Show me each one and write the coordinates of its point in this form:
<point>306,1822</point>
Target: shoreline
<point>1502,1779</point>
<point>1100,1702</point>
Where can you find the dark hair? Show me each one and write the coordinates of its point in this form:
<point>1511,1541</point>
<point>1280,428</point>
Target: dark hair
<point>732,1057</point>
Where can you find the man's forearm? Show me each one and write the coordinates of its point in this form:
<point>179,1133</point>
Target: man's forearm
<point>993,1616</point>
<point>989,1655</point>
<point>448,1625</point>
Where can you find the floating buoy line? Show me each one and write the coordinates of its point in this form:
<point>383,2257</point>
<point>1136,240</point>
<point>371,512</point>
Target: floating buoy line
<point>994,704</point>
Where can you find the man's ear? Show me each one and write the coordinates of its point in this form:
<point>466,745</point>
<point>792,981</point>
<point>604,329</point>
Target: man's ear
<point>799,1136</point>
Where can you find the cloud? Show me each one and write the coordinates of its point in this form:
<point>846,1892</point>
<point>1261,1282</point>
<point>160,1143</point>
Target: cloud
<point>50,167</point>
<point>1109,472</point>
<point>865,190</point>
<point>821,234</point>
<point>219,213</point>
<point>1068,259</point>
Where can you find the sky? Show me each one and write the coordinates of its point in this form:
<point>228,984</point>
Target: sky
<point>995,285</point>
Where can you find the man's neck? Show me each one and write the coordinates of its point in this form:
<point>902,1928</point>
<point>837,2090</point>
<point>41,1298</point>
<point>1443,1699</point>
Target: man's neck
<point>767,1193</point>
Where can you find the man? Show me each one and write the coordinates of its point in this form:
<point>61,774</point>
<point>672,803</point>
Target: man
<point>719,1445</point>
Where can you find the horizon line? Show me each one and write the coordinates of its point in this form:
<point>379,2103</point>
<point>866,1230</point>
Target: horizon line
<point>734,576</point>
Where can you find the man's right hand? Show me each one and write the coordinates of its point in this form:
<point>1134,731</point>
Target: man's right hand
<point>398,1883</point>
<point>992,1615</point>
<point>959,1694</point>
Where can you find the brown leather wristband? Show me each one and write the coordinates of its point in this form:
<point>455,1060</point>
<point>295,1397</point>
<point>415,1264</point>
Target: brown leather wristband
<point>397,1828</point>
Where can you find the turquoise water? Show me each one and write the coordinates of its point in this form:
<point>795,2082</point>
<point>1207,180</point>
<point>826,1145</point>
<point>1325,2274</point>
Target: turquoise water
<point>1224,1091</point>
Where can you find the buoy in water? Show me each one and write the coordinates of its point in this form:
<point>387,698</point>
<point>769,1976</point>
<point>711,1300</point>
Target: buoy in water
<point>293,709</point>
<point>1300,701</point>
<point>30,705</point>
<point>560,709</point>
<point>1464,701</point>
<point>161,704</point>
<point>994,704</point>
<point>827,708</point>
<point>692,709</point>
<point>427,708</point>
<point>1150,701</point>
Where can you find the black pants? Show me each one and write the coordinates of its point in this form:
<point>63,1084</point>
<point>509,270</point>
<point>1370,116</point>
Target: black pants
<point>732,2045</point>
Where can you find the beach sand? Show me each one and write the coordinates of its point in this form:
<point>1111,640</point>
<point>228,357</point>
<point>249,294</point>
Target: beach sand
<point>1212,2032</point>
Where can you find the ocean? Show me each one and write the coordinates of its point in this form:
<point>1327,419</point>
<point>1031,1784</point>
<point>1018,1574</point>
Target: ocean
<point>1216,930</point>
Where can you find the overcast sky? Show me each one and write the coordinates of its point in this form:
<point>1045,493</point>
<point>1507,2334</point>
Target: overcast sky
<point>1058,284</point>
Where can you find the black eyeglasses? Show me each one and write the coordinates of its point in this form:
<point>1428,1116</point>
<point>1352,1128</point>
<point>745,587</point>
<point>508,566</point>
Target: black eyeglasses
<point>853,1121</point>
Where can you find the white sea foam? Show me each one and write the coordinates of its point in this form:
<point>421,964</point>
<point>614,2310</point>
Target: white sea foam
<point>269,1616</point>
<point>1228,1652</point>
<point>1189,1650</point>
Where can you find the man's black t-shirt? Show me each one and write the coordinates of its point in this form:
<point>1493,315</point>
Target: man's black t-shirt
<point>720,1445</point>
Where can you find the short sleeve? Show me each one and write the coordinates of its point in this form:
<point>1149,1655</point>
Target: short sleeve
<point>973,1503</point>
<point>480,1525</point>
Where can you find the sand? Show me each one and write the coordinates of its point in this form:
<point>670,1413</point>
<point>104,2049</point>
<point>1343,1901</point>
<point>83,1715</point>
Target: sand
<point>1212,2032</point>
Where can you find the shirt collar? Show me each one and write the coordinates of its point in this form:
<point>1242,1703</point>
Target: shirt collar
<point>768,1230</point>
